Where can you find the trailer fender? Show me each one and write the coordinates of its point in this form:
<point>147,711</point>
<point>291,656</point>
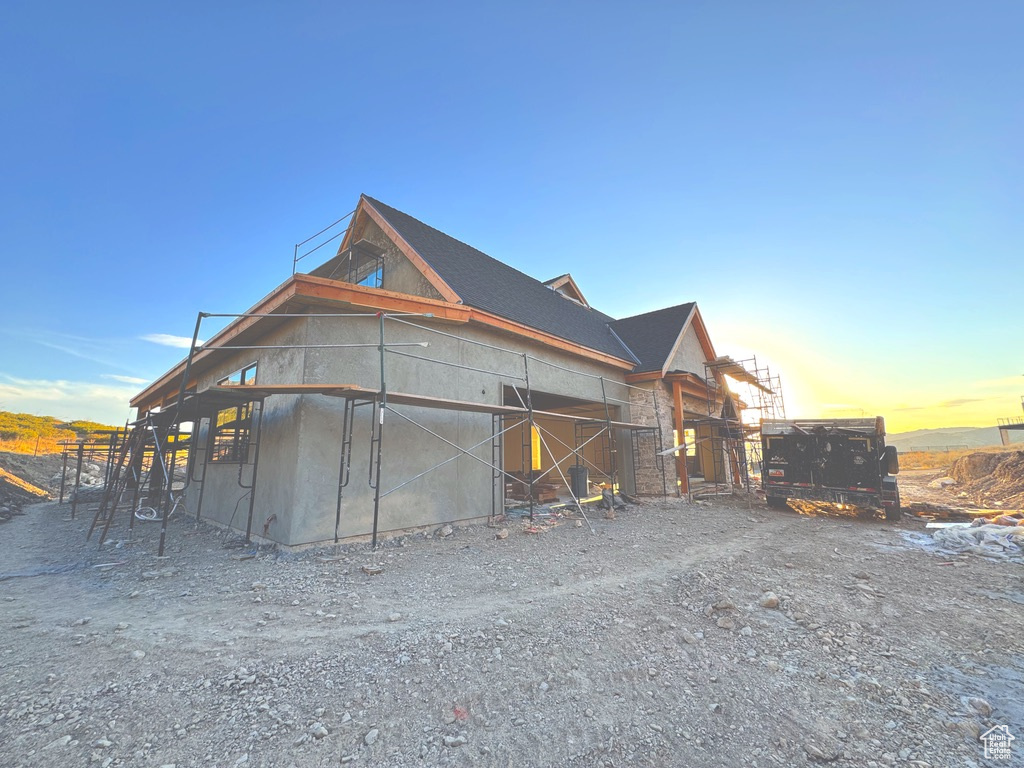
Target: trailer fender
<point>891,460</point>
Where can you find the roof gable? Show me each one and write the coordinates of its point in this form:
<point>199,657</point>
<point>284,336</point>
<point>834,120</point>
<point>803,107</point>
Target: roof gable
<point>483,282</point>
<point>565,285</point>
<point>654,336</point>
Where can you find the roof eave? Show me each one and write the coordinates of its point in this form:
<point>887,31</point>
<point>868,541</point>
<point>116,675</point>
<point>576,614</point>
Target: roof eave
<point>303,290</point>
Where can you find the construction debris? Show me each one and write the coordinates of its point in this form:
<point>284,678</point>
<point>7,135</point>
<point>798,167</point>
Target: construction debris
<point>610,501</point>
<point>519,490</point>
<point>992,541</point>
<point>932,511</point>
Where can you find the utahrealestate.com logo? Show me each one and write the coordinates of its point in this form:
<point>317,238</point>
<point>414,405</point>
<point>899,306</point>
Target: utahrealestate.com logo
<point>997,742</point>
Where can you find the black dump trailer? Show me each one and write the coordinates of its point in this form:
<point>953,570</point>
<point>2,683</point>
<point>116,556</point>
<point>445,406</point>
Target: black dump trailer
<point>843,461</point>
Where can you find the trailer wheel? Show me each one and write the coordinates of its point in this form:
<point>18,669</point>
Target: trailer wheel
<point>776,502</point>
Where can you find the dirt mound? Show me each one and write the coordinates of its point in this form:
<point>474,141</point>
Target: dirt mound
<point>995,479</point>
<point>15,493</point>
<point>42,471</point>
<point>974,466</point>
<point>25,479</point>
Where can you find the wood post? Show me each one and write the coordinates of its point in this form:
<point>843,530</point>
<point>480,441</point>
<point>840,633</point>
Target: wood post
<point>681,471</point>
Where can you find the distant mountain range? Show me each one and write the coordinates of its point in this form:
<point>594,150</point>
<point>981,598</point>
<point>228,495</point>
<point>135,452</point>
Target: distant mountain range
<point>946,437</point>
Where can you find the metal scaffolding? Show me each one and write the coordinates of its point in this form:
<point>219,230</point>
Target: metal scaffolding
<point>740,393</point>
<point>142,465</point>
<point>96,450</point>
<point>160,432</point>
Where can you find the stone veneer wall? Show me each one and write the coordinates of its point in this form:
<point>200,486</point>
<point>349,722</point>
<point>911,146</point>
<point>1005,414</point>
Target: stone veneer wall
<point>642,410</point>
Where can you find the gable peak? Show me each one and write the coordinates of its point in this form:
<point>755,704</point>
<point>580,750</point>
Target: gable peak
<point>566,286</point>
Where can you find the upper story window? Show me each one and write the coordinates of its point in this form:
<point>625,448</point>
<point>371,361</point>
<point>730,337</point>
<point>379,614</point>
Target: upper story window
<point>361,263</point>
<point>373,278</point>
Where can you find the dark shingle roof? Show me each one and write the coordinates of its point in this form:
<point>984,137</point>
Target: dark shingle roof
<point>652,335</point>
<point>486,283</point>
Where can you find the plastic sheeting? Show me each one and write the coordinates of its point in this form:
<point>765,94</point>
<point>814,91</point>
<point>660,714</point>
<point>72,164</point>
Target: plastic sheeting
<point>996,541</point>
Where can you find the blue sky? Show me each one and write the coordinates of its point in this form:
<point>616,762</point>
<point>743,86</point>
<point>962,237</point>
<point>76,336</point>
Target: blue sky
<point>838,185</point>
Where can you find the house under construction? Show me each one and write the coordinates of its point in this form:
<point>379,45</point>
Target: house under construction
<point>412,380</point>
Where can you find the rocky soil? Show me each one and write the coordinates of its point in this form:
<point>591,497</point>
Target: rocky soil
<point>676,634</point>
<point>12,497</point>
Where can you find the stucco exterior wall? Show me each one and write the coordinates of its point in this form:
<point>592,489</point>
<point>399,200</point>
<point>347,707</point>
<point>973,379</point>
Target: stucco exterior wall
<point>224,498</point>
<point>399,273</point>
<point>301,435</point>
<point>689,356</point>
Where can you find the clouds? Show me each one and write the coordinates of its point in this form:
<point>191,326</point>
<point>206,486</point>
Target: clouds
<point>169,340</point>
<point>76,376</point>
<point>1014,383</point>
<point>107,403</point>
<point>105,352</point>
<point>946,405</point>
<point>125,379</point>
<point>118,353</point>
<point>962,401</point>
<point>981,403</point>
<point>844,410</point>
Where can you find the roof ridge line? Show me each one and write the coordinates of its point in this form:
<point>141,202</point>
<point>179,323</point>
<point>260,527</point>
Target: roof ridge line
<point>656,311</point>
<point>485,255</point>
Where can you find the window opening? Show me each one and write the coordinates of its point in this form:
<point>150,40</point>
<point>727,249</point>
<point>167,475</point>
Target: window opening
<point>229,440</point>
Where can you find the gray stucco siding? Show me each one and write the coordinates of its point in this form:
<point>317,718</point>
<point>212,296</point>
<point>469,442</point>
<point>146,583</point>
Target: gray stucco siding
<point>689,356</point>
<point>302,435</point>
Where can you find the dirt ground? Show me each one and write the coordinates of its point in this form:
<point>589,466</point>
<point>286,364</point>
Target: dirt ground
<point>649,641</point>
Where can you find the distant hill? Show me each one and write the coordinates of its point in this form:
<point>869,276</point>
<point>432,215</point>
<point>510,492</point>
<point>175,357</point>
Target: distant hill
<point>944,438</point>
<point>27,433</point>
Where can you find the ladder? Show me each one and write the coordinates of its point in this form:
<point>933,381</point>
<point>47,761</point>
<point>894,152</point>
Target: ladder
<point>129,457</point>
